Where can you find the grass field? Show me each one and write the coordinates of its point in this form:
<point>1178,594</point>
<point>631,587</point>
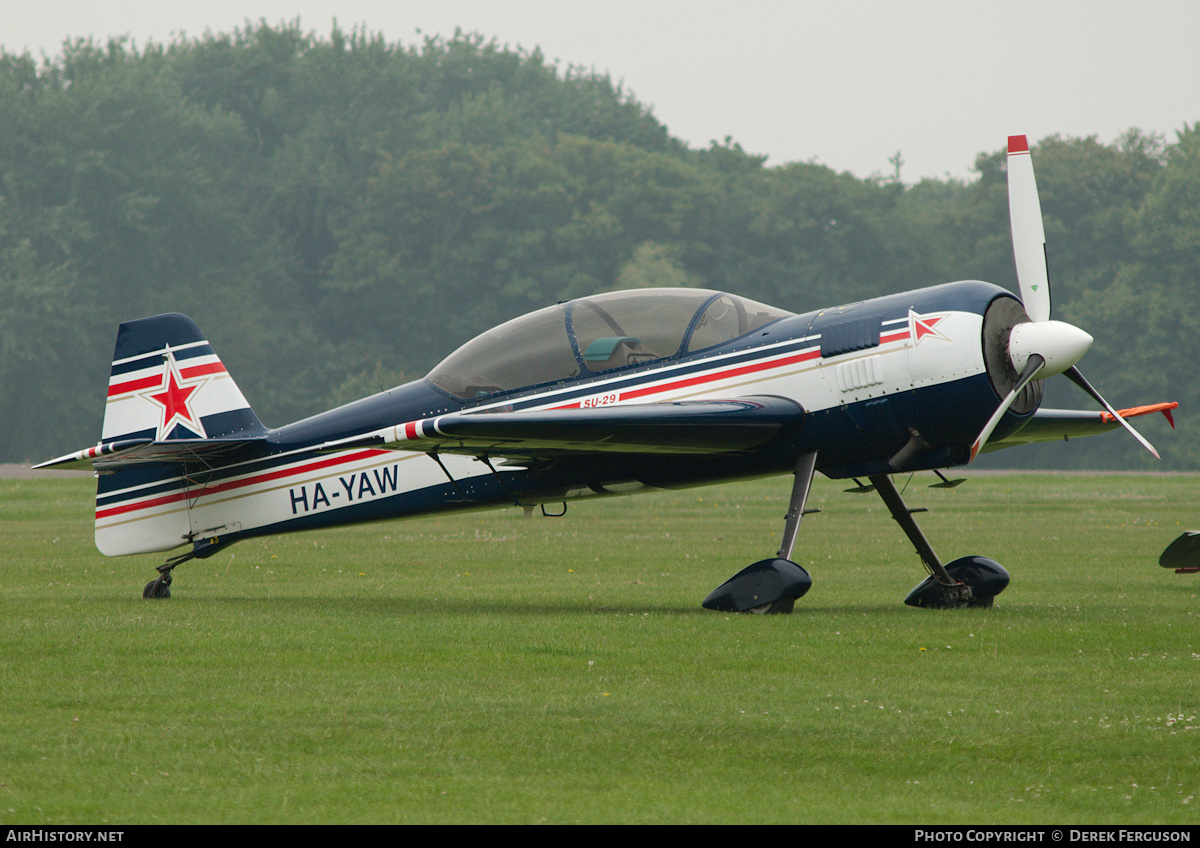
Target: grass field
<point>489,668</point>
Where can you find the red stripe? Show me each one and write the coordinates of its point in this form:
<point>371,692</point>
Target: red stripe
<point>155,381</point>
<point>1017,144</point>
<point>239,484</point>
<point>812,353</point>
<point>120,510</point>
<point>722,375</point>
<point>135,385</point>
<point>201,370</point>
<point>710,377</point>
<point>410,430</point>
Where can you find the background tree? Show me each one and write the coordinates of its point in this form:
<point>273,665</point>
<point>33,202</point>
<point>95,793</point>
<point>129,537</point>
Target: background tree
<point>339,213</point>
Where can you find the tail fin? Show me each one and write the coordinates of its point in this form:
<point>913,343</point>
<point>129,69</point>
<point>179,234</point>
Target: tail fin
<point>172,412</point>
<point>167,383</point>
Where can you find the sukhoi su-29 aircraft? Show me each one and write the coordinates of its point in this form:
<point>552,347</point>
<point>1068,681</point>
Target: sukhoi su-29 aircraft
<point>618,393</point>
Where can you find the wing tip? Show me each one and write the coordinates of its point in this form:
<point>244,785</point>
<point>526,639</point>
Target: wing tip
<point>1133,412</point>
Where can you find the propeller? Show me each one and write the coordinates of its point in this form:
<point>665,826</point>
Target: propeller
<point>1043,347</point>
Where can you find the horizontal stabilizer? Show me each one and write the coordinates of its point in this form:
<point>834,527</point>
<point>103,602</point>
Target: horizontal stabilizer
<point>86,459</point>
<point>129,453</point>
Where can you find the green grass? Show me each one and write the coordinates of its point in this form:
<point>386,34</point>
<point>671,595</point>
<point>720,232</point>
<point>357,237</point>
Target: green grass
<point>489,668</point>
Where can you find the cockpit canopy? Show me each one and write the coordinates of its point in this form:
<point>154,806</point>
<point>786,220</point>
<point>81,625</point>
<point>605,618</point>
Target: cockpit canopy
<point>592,335</point>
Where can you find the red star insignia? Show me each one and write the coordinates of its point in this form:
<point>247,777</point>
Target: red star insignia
<point>921,326</point>
<point>175,398</point>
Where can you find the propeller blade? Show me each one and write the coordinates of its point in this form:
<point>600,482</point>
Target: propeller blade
<point>1031,368</point>
<point>1078,379</point>
<point>1028,234</point>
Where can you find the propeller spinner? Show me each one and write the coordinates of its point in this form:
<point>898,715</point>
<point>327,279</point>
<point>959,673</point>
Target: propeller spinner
<point>1043,347</point>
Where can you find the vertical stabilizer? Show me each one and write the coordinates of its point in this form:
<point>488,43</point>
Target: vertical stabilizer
<point>169,386</point>
<point>167,383</point>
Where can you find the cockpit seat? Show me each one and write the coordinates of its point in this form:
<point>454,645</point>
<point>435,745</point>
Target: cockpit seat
<point>616,351</point>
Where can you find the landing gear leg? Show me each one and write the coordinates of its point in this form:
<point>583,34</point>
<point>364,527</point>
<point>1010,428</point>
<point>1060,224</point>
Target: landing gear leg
<point>970,581</point>
<point>160,587</point>
<point>771,586</point>
<point>806,467</point>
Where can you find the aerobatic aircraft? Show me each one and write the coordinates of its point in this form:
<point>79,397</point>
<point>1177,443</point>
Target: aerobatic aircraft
<point>622,392</point>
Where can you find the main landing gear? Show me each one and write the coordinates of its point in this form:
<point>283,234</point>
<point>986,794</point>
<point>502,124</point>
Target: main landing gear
<point>773,585</point>
<point>972,581</point>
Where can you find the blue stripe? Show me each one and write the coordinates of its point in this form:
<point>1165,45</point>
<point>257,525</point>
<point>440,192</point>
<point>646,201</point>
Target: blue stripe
<point>155,360</point>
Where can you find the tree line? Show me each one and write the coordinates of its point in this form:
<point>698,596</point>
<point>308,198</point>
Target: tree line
<point>340,212</point>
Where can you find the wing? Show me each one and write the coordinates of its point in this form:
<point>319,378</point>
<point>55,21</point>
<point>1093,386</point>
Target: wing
<point>688,427</point>
<point>1050,425</point>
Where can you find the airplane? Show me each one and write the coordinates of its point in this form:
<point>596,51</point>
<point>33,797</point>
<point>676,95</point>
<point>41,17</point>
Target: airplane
<point>1183,554</point>
<point>612,394</point>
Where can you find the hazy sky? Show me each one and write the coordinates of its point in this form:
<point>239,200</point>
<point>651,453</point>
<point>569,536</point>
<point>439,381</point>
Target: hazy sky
<point>848,83</point>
